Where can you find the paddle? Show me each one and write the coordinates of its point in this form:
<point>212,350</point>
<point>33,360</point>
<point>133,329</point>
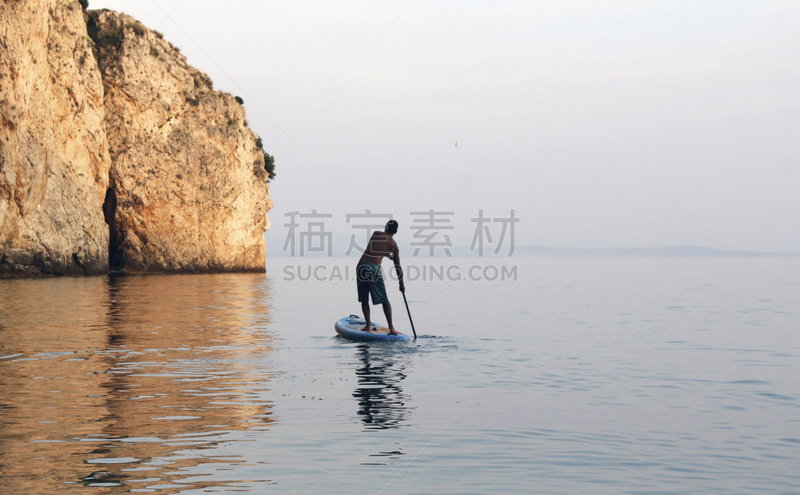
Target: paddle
<point>409,315</point>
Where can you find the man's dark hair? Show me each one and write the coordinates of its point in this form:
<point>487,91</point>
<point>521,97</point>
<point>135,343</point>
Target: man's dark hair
<point>391,226</point>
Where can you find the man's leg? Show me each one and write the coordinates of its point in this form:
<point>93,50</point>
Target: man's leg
<point>362,284</point>
<point>387,310</point>
<point>365,309</point>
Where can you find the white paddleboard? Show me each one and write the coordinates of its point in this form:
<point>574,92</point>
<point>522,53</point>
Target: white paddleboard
<point>351,328</point>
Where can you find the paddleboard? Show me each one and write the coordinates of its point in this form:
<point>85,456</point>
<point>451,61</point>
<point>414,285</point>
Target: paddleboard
<point>351,328</point>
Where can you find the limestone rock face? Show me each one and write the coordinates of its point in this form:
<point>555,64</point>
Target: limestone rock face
<point>54,161</point>
<point>188,188</point>
<point>115,152</point>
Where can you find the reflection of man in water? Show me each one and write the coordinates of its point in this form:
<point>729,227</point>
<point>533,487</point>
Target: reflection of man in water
<point>381,401</point>
<point>369,275</point>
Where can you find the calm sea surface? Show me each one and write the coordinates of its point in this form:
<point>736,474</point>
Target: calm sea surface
<point>583,375</point>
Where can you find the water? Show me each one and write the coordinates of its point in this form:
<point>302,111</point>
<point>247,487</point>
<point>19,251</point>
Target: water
<point>585,375</point>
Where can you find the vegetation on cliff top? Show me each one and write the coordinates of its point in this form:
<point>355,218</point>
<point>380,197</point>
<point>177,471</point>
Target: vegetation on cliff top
<point>137,27</point>
<point>104,40</point>
<point>269,160</point>
<point>269,165</point>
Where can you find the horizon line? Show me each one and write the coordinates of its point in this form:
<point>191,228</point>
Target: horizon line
<point>676,251</point>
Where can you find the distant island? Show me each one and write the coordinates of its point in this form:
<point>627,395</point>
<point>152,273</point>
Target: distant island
<point>656,252</point>
<point>115,154</point>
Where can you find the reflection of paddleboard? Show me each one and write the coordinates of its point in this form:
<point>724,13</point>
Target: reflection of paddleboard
<point>350,328</point>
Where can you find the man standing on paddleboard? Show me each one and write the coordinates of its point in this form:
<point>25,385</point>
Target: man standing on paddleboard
<point>369,277</point>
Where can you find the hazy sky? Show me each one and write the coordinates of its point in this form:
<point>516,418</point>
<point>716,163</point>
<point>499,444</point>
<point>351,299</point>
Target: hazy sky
<point>601,123</point>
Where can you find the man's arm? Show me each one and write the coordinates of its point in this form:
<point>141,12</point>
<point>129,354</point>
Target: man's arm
<point>396,259</point>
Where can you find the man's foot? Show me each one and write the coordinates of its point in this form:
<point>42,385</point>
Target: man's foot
<point>392,331</point>
<point>366,329</point>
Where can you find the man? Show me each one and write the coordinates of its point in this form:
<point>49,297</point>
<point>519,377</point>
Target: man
<point>369,276</point>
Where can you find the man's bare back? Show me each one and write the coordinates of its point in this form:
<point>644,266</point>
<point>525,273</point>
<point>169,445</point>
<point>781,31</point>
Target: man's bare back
<point>380,244</point>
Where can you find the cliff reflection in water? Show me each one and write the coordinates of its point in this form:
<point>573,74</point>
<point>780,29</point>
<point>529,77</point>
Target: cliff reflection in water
<point>381,400</point>
<point>130,382</point>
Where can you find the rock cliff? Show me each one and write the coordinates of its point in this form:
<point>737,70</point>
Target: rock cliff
<point>187,175</point>
<point>114,152</point>
<point>54,161</point>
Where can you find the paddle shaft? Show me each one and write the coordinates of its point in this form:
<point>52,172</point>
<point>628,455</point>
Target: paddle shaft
<point>409,315</point>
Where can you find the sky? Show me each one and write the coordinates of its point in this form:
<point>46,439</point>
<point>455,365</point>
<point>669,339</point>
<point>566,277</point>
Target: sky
<point>601,124</point>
